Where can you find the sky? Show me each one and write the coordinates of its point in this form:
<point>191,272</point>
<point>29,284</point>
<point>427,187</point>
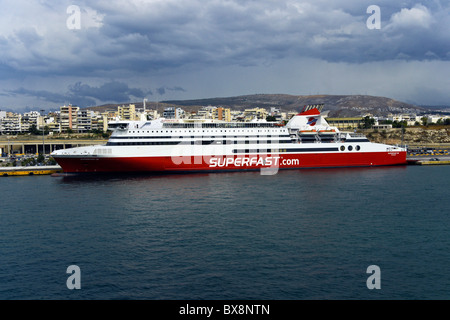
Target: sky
<point>89,53</point>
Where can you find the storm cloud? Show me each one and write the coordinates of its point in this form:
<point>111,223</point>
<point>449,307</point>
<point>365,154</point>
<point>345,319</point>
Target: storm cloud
<point>85,95</point>
<point>123,48</point>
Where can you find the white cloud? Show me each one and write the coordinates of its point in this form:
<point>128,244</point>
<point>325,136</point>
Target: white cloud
<point>418,16</point>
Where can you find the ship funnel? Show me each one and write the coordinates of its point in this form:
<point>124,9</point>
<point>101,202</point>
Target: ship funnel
<point>308,119</point>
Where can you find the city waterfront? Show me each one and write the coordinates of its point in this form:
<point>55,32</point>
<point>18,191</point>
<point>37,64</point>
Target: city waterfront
<point>299,234</point>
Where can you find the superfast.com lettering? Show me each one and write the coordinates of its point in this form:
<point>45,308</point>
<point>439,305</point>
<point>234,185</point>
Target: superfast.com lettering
<point>244,162</point>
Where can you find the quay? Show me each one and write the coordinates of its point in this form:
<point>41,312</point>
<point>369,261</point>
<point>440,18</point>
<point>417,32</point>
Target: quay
<point>429,155</point>
<point>29,171</point>
<point>434,162</point>
<point>422,162</point>
<point>429,160</point>
<point>34,146</point>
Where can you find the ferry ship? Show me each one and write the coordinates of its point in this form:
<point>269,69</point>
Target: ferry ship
<point>165,145</point>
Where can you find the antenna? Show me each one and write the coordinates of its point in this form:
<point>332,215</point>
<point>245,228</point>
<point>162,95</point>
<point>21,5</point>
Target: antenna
<point>144,104</point>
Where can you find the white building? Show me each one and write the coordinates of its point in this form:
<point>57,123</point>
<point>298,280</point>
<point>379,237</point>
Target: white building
<point>11,123</point>
<point>84,121</point>
<point>29,119</point>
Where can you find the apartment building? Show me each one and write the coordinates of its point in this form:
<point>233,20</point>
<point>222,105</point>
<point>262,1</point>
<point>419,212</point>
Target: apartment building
<point>10,123</point>
<point>69,118</point>
<point>222,114</point>
<point>127,112</point>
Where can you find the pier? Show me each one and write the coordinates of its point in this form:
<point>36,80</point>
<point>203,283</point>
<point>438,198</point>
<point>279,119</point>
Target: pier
<point>29,171</point>
<point>429,161</point>
<point>428,156</point>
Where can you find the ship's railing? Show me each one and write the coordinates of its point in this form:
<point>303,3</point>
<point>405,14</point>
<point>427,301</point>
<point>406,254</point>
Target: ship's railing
<point>395,148</point>
<point>357,135</point>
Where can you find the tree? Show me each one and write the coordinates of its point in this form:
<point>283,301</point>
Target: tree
<point>271,118</point>
<point>424,121</point>
<point>368,122</point>
<point>51,162</point>
<point>399,124</point>
<point>33,130</point>
<point>40,158</point>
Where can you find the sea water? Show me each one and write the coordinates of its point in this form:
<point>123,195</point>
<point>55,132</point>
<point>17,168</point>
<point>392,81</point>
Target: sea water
<point>295,235</point>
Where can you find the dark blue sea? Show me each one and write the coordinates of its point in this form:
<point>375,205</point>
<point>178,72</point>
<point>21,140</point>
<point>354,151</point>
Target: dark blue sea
<point>297,235</point>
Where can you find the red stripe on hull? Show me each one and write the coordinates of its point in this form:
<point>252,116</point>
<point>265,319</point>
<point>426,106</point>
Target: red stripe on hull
<point>247,162</point>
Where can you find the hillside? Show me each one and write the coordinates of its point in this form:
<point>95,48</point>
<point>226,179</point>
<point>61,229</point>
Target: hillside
<point>338,105</point>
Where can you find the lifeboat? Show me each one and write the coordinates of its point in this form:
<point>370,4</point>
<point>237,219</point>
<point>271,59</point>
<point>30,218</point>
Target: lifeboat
<point>307,132</point>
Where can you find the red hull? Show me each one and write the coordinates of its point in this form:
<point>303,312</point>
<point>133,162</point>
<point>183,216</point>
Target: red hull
<point>225,163</point>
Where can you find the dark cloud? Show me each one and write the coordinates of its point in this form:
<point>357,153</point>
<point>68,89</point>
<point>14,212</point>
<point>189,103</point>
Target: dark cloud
<point>171,34</point>
<point>167,40</point>
<point>145,37</point>
<point>41,94</point>
<point>110,91</point>
<point>85,95</point>
<point>162,90</point>
<point>53,97</point>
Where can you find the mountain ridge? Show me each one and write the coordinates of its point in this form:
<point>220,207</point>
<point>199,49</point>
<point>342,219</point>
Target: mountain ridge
<point>337,105</point>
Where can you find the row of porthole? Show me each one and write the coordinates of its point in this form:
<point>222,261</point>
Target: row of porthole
<point>350,148</point>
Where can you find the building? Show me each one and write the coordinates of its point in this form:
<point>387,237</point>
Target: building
<point>221,114</point>
<point>179,113</point>
<point>382,126</point>
<point>409,118</point>
<point>274,111</point>
<point>84,121</point>
<point>14,123</point>
<point>68,118</point>
<point>11,123</point>
<point>169,113</point>
<point>436,118</point>
<point>237,115</point>
<point>151,114</point>
<point>204,113</point>
<point>29,119</point>
<point>102,122</point>
<point>173,113</point>
<point>53,122</point>
<point>258,113</point>
<point>346,123</point>
<point>127,112</point>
